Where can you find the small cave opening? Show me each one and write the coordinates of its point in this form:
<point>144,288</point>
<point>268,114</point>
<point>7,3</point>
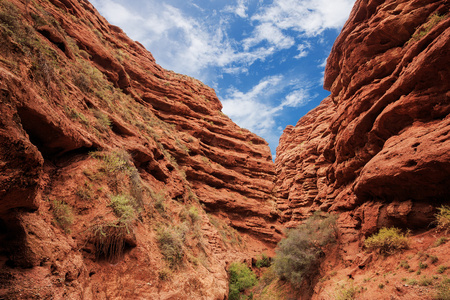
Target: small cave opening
<point>50,139</point>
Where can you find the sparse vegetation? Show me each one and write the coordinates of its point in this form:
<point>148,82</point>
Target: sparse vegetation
<point>404,264</point>
<point>412,282</point>
<point>441,269</point>
<point>241,278</point>
<point>422,265</point>
<point>297,255</point>
<point>440,241</point>
<point>264,262</point>
<point>109,239</point>
<point>121,204</point>
<point>193,214</point>
<point>170,243</point>
<point>443,290</point>
<point>443,219</point>
<point>387,241</point>
<point>63,215</point>
<point>434,259</point>
<point>347,291</point>
<point>164,274</point>
<point>432,21</point>
<point>424,281</point>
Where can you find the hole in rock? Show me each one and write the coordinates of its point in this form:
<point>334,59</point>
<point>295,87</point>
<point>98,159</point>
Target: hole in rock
<point>411,163</point>
<point>47,137</point>
<point>158,174</point>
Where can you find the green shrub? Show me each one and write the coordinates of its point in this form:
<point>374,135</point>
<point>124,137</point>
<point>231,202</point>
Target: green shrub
<point>432,21</point>
<point>171,245</point>
<point>241,278</point>
<point>425,281</point>
<point>297,255</point>
<point>443,219</point>
<point>423,265</point>
<point>412,281</point>
<point>264,262</point>
<point>63,215</point>
<point>443,290</point>
<point>387,241</point>
<point>404,264</point>
<point>103,122</point>
<point>441,269</point>
<point>346,291</point>
<point>434,259</point>
<point>440,241</point>
<point>122,207</point>
<point>193,214</point>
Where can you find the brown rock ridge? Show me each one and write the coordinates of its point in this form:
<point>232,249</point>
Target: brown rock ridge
<point>89,118</point>
<point>377,150</point>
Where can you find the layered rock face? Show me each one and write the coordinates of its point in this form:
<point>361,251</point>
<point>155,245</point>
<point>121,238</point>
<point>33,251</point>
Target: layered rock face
<point>97,140</point>
<point>377,150</point>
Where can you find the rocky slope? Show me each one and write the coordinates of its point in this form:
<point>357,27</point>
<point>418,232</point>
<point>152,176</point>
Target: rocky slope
<point>377,150</point>
<point>119,179</point>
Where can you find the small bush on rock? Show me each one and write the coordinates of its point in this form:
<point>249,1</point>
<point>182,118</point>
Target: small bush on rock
<point>171,245</point>
<point>443,219</point>
<point>63,215</point>
<point>387,241</point>
<point>241,278</point>
<point>298,254</point>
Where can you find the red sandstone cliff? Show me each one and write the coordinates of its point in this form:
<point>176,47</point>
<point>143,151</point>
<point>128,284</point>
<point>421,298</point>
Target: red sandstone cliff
<point>103,154</point>
<point>377,150</point>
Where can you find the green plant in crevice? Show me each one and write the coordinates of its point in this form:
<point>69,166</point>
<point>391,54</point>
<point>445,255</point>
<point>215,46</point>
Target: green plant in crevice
<point>443,219</point>
<point>122,207</point>
<point>387,241</point>
<point>264,262</point>
<point>432,21</point>
<point>443,290</point>
<point>170,240</point>
<point>63,215</point>
<point>297,256</point>
<point>241,278</point>
<point>347,291</point>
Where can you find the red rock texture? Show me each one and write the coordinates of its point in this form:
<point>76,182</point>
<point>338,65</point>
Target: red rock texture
<point>72,85</point>
<point>377,150</point>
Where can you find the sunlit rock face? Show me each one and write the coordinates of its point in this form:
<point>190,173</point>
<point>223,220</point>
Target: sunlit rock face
<point>88,117</point>
<point>377,150</point>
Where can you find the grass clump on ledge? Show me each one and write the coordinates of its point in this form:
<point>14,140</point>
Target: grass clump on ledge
<point>122,207</point>
<point>63,215</point>
<point>297,256</point>
<point>387,241</point>
<point>443,219</point>
<point>241,278</point>
<point>109,240</point>
<point>170,241</point>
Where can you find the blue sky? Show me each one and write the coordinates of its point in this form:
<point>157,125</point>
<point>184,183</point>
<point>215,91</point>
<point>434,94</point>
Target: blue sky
<point>265,59</point>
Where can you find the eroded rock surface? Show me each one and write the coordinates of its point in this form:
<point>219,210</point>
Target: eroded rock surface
<point>378,149</point>
<point>88,116</point>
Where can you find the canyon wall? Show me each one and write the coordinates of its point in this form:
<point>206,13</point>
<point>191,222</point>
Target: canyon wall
<point>377,150</point>
<point>119,179</point>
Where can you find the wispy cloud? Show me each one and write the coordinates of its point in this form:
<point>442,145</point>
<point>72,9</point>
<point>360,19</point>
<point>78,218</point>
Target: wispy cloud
<point>189,45</point>
<point>309,17</point>
<point>258,108</point>
<point>239,9</point>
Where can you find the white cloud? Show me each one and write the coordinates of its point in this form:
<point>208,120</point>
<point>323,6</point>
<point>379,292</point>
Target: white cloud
<point>240,9</point>
<point>303,50</point>
<point>190,45</point>
<point>258,108</point>
<point>296,98</point>
<point>307,17</point>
